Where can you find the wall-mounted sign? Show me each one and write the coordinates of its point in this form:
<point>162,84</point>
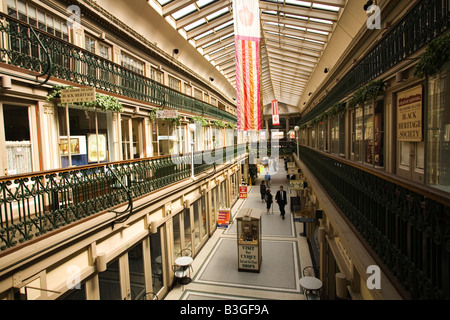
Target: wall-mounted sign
<point>409,115</point>
<point>77,95</point>
<point>242,192</point>
<point>166,114</point>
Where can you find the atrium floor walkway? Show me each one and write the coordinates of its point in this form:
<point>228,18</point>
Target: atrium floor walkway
<point>285,253</point>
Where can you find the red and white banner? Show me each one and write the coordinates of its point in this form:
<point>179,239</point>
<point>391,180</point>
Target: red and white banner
<point>275,115</point>
<point>247,35</point>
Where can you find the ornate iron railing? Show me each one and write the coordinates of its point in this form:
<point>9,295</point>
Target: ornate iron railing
<point>27,47</point>
<point>35,204</point>
<point>406,226</point>
<point>426,21</point>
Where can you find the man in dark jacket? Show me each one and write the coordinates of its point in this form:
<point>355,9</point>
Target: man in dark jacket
<point>281,199</point>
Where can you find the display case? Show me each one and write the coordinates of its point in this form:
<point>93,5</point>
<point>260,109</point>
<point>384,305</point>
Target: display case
<point>248,222</point>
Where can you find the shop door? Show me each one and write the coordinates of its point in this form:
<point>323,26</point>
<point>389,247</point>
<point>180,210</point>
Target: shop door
<point>411,161</point>
<point>199,223</point>
<point>15,139</point>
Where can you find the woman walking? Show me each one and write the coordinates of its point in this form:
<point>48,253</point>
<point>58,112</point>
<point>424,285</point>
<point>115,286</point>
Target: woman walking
<point>269,200</point>
<point>262,190</point>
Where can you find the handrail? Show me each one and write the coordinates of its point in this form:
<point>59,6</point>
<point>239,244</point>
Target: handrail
<point>37,203</point>
<point>427,192</point>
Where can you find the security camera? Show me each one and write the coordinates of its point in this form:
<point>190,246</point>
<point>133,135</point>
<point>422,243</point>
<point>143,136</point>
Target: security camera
<point>326,70</point>
<point>175,51</point>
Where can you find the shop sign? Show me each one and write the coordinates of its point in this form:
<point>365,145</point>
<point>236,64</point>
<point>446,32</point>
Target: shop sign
<point>223,218</point>
<point>296,184</point>
<point>248,257</point>
<point>77,95</point>
<point>166,114</point>
<point>242,192</point>
<point>409,115</point>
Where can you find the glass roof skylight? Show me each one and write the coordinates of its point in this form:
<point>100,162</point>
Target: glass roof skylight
<point>291,30</point>
<point>184,12</point>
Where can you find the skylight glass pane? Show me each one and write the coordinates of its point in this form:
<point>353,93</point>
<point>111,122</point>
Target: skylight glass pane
<point>223,26</point>
<point>318,31</point>
<point>184,12</point>
<point>210,44</point>
<point>294,16</point>
<point>203,35</point>
<point>163,2</point>
<point>321,21</point>
<point>294,37</point>
<point>295,27</point>
<point>299,3</point>
<point>325,7</point>
<point>217,14</point>
<point>202,3</point>
<point>195,24</point>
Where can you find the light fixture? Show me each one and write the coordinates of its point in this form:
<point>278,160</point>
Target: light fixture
<point>101,262</point>
<point>6,82</point>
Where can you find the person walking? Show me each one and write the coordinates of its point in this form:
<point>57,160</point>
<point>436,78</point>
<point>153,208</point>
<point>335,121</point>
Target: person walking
<point>262,190</point>
<point>269,200</point>
<point>267,178</point>
<point>281,199</point>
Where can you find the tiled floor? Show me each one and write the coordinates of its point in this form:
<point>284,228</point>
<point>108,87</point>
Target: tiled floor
<point>285,253</point>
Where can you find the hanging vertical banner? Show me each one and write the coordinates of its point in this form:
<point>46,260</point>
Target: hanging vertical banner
<point>247,35</point>
<point>275,115</point>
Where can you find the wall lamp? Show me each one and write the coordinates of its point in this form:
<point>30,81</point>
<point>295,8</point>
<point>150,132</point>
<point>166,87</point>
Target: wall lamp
<point>6,82</point>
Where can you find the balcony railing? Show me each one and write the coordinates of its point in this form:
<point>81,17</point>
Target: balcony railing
<point>406,226</point>
<point>35,204</point>
<point>426,21</point>
<point>27,47</point>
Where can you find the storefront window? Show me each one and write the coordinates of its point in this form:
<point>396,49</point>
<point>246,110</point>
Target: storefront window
<point>368,133</point>
<point>187,229</point>
<point>438,126</point>
<point>176,237</point>
<point>335,135</point>
<point>168,138</point>
<point>109,282</point>
<point>88,136</point>
<point>156,260</point>
<point>357,134</point>
<point>137,273</point>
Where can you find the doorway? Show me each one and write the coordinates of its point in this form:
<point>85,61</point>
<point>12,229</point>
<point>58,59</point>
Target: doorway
<point>15,138</point>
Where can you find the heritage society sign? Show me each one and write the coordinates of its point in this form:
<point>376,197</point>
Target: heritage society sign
<point>409,115</point>
<point>77,95</point>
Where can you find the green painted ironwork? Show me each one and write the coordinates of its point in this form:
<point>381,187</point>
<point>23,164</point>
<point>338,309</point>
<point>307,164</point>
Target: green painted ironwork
<point>409,230</point>
<point>65,61</point>
<point>33,205</point>
<point>426,21</point>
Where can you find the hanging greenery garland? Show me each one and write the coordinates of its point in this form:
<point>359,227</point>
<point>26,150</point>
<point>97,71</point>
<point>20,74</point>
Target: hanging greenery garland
<point>102,102</point>
<point>200,119</point>
<point>434,57</point>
